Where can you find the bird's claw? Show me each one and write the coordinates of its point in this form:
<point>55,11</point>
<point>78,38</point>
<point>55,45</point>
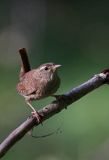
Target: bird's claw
<point>36,115</point>
<point>60,97</point>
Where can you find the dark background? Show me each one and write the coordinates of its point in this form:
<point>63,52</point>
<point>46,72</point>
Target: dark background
<point>76,35</point>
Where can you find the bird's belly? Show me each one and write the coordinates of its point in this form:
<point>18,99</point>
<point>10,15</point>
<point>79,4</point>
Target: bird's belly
<point>51,88</point>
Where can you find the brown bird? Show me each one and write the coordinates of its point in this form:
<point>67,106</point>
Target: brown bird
<point>39,83</point>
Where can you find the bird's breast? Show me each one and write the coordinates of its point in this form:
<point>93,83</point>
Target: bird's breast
<point>51,87</point>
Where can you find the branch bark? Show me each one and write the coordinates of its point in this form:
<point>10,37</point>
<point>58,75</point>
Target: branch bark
<point>53,108</point>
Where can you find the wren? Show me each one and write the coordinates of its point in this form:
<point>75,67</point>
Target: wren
<point>39,83</point>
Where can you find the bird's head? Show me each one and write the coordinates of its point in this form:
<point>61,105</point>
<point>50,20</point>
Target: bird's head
<point>49,69</point>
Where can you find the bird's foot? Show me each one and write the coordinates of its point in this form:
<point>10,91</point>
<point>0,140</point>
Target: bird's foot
<point>60,97</point>
<point>38,117</point>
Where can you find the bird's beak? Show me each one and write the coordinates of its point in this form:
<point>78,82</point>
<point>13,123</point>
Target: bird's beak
<point>57,66</point>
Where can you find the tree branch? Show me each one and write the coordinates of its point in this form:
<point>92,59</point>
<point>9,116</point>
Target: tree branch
<point>54,107</point>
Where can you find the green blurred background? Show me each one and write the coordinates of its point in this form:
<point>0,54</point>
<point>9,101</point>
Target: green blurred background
<point>76,35</point>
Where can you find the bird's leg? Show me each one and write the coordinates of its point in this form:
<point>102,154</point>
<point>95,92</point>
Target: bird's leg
<point>34,112</point>
<point>29,104</point>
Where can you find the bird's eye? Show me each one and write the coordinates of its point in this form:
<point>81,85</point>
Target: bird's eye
<point>46,68</point>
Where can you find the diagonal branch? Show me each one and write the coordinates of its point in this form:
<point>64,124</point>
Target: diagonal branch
<point>54,107</point>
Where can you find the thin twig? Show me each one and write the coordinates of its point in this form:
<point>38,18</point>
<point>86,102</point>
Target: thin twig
<point>53,108</point>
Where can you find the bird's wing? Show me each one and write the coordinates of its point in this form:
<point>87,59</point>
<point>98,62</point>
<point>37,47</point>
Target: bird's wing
<point>28,85</point>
